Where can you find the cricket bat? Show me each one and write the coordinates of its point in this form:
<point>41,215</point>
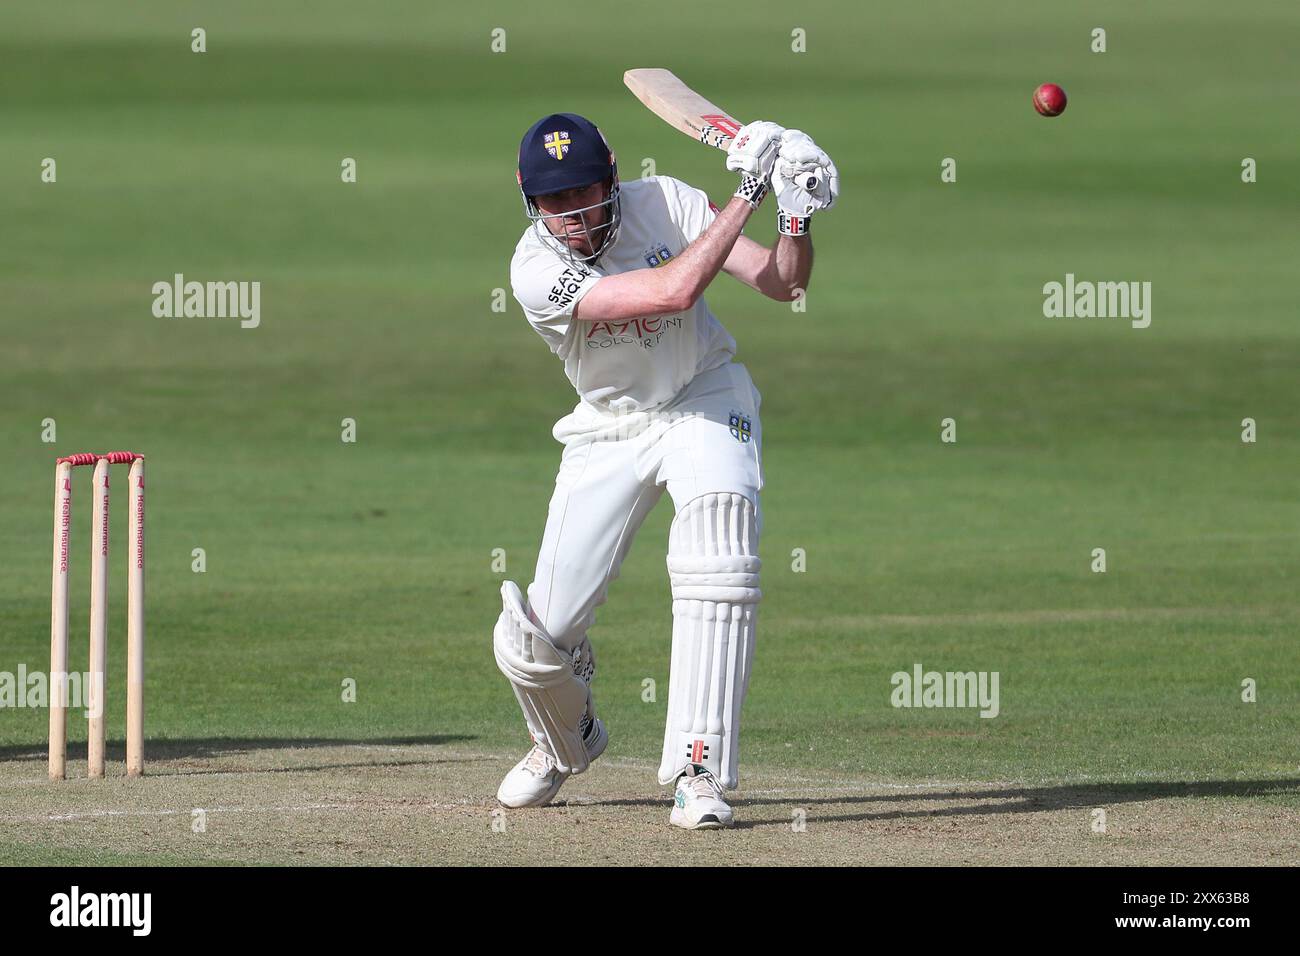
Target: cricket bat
<point>680,106</point>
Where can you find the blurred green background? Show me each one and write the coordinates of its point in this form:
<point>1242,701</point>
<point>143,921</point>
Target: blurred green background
<point>328,561</point>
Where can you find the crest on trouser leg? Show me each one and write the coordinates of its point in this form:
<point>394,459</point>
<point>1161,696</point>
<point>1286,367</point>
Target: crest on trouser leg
<point>741,428</point>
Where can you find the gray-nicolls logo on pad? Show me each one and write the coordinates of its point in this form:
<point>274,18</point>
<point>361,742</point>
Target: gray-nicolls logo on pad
<point>78,909</point>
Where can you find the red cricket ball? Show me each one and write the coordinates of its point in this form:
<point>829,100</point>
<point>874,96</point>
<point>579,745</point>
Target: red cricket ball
<point>1049,100</point>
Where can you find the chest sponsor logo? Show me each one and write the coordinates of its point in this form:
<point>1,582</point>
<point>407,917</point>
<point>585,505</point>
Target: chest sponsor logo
<point>645,332</point>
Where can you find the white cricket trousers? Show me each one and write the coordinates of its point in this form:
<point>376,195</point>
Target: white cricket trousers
<point>613,470</point>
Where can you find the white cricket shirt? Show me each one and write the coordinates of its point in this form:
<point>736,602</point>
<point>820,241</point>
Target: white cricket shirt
<point>636,364</point>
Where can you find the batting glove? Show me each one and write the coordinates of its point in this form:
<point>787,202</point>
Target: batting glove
<point>753,154</point>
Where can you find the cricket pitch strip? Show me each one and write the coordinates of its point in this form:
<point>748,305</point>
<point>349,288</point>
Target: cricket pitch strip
<point>428,802</point>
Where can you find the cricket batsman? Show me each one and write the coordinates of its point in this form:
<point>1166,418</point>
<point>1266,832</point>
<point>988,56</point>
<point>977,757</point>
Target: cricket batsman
<point>612,276</point>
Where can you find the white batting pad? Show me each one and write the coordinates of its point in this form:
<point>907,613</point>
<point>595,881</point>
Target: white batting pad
<point>714,568</point>
<point>554,698</point>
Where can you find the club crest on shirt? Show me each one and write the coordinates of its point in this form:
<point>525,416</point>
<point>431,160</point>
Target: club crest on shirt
<point>657,255</point>
<point>557,144</point>
<point>740,427</point>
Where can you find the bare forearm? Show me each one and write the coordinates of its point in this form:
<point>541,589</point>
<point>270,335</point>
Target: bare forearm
<point>673,287</point>
<point>693,270</point>
<point>791,266</point>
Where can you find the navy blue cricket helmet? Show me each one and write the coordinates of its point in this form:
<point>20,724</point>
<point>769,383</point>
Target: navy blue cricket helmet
<point>565,151</point>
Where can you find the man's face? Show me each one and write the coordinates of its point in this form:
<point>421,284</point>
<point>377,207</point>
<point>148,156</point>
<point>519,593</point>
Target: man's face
<point>569,228</point>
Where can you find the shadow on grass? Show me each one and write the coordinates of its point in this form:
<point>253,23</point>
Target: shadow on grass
<point>978,802</point>
<point>1003,800</point>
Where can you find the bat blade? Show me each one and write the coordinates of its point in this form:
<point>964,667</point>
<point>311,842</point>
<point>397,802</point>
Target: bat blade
<point>681,107</point>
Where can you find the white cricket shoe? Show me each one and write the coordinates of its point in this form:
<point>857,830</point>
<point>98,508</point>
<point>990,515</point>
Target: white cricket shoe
<point>698,803</point>
<point>534,781</point>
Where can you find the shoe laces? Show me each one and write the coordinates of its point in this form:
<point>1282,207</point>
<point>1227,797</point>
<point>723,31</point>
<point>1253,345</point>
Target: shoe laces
<point>538,762</point>
<point>703,785</point>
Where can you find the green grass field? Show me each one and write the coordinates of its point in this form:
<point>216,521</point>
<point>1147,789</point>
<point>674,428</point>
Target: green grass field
<point>329,561</point>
